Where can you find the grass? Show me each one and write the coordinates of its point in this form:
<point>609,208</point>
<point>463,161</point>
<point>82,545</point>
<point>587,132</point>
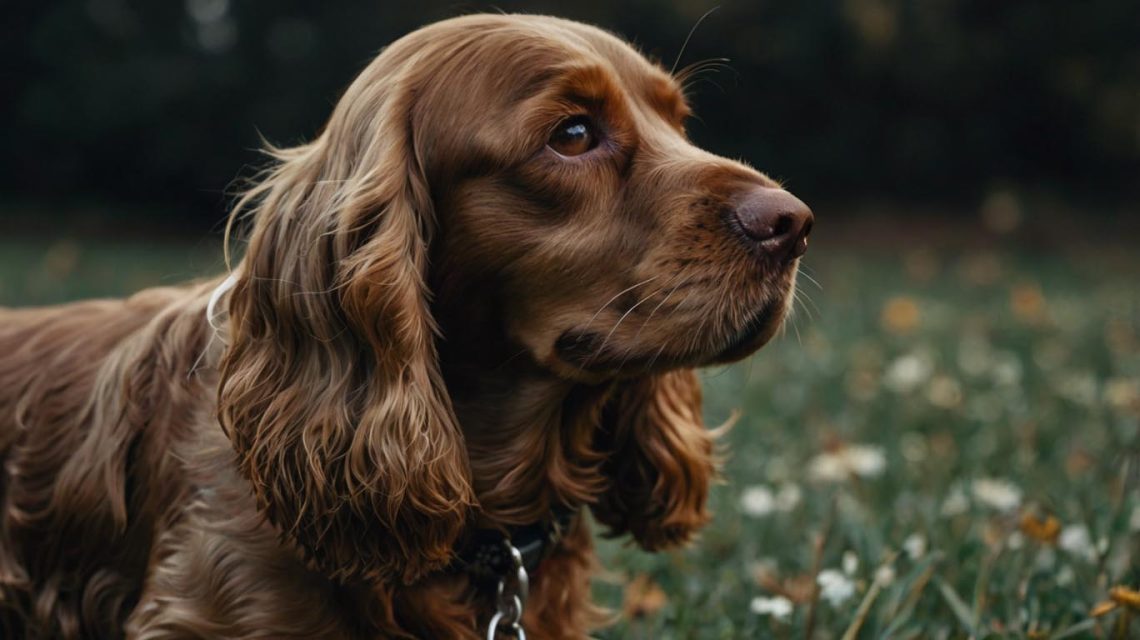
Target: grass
<point>945,439</point>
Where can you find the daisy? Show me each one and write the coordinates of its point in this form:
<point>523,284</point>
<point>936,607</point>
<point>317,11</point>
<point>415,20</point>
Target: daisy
<point>908,372</point>
<point>779,607</point>
<point>855,460</point>
<point>997,493</point>
<point>914,546</point>
<point>757,501</point>
<point>834,587</point>
<point>1075,539</point>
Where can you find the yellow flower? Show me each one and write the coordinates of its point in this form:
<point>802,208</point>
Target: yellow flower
<point>1028,303</point>
<point>1125,596</point>
<point>1117,597</point>
<point>1045,529</point>
<point>900,315</point>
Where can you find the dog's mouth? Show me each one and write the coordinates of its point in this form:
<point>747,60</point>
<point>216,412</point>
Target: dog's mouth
<point>755,333</point>
<point>589,352</point>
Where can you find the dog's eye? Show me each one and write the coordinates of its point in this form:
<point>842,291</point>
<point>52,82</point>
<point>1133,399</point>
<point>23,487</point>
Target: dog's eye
<point>574,136</point>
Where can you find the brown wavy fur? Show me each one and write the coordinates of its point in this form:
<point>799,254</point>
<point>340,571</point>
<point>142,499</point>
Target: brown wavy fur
<point>438,324</point>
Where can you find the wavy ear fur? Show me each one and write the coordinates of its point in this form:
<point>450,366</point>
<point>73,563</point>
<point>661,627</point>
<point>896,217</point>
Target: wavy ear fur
<point>331,391</point>
<point>660,460</point>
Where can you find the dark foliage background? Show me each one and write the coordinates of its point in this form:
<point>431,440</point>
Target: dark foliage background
<point>156,106</point>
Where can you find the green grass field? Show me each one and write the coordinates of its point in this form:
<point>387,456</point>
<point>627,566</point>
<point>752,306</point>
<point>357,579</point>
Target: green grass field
<point>943,444</point>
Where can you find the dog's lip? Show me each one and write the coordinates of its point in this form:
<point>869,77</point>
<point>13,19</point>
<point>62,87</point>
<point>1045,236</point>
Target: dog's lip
<point>578,347</point>
<point>584,349</point>
<point>755,332</point>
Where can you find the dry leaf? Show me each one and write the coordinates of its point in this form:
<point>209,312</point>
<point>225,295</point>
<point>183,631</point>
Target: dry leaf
<point>643,598</point>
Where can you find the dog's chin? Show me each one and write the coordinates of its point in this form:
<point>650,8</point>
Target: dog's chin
<point>586,356</point>
<point>753,335</point>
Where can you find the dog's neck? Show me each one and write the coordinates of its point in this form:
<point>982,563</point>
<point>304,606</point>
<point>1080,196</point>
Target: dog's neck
<point>529,437</point>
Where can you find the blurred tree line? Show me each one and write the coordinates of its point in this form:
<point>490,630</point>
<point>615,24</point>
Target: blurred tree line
<point>157,106</point>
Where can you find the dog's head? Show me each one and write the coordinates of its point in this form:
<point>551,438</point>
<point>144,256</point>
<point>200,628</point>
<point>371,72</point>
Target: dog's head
<point>524,184</point>
<point>575,215</point>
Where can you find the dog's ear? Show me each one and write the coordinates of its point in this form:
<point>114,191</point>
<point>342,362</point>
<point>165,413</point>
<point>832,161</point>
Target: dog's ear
<point>330,389</point>
<point>660,460</point>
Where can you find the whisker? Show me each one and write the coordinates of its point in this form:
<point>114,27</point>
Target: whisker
<point>694,342</point>
<point>696,81</point>
<point>504,363</point>
<point>809,300</point>
<point>657,355</point>
<point>655,309</point>
<point>798,304</point>
<point>617,324</point>
<point>689,37</point>
<point>701,64</point>
<point>794,320</point>
<point>812,280</point>
<point>616,296</point>
<point>692,70</point>
<point>688,345</point>
<point>663,300</point>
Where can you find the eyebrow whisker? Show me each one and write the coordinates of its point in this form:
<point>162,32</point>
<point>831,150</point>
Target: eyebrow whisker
<point>689,37</point>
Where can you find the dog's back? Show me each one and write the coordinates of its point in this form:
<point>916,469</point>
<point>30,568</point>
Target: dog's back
<point>91,395</point>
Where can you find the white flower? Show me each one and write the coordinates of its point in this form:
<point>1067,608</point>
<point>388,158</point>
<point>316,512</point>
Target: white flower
<point>757,501</point>
<point>850,563</point>
<point>1076,540</point>
<point>997,493</point>
<point>907,372</point>
<point>944,392</point>
<point>779,607</point>
<point>885,575</point>
<point>1065,576</point>
<point>955,504</point>
<point>1006,369</point>
<point>866,461</point>
<point>1079,387</point>
<point>852,460</point>
<point>1015,541</point>
<point>1122,393</point>
<point>788,497</point>
<point>1134,519</point>
<point>828,467</point>
<point>835,587</point>
<point>915,546</point>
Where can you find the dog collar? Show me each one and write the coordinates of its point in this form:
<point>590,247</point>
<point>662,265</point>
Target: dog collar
<point>486,556</point>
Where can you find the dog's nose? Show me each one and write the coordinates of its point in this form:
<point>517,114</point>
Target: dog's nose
<point>775,220</point>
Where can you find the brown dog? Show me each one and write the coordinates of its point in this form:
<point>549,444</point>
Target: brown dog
<point>468,311</point>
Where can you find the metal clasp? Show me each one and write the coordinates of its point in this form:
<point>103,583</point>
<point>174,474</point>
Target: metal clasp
<point>510,599</point>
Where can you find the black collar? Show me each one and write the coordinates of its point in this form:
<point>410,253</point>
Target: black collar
<point>484,555</point>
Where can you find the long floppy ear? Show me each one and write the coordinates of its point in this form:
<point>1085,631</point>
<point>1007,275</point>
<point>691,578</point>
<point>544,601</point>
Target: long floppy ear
<point>330,390</point>
<point>660,460</point>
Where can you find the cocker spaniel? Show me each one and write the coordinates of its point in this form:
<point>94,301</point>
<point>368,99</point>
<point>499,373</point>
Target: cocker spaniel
<point>466,314</point>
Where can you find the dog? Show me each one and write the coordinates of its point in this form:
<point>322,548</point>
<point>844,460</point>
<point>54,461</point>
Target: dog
<point>466,316</point>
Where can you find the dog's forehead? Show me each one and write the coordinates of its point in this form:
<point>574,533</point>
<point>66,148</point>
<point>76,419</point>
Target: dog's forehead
<point>603,47</point>
<point>591,47</point>
<point>540,47</point>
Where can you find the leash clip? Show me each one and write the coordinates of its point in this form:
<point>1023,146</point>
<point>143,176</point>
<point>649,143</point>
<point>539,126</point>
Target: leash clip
<point>510,598</point>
